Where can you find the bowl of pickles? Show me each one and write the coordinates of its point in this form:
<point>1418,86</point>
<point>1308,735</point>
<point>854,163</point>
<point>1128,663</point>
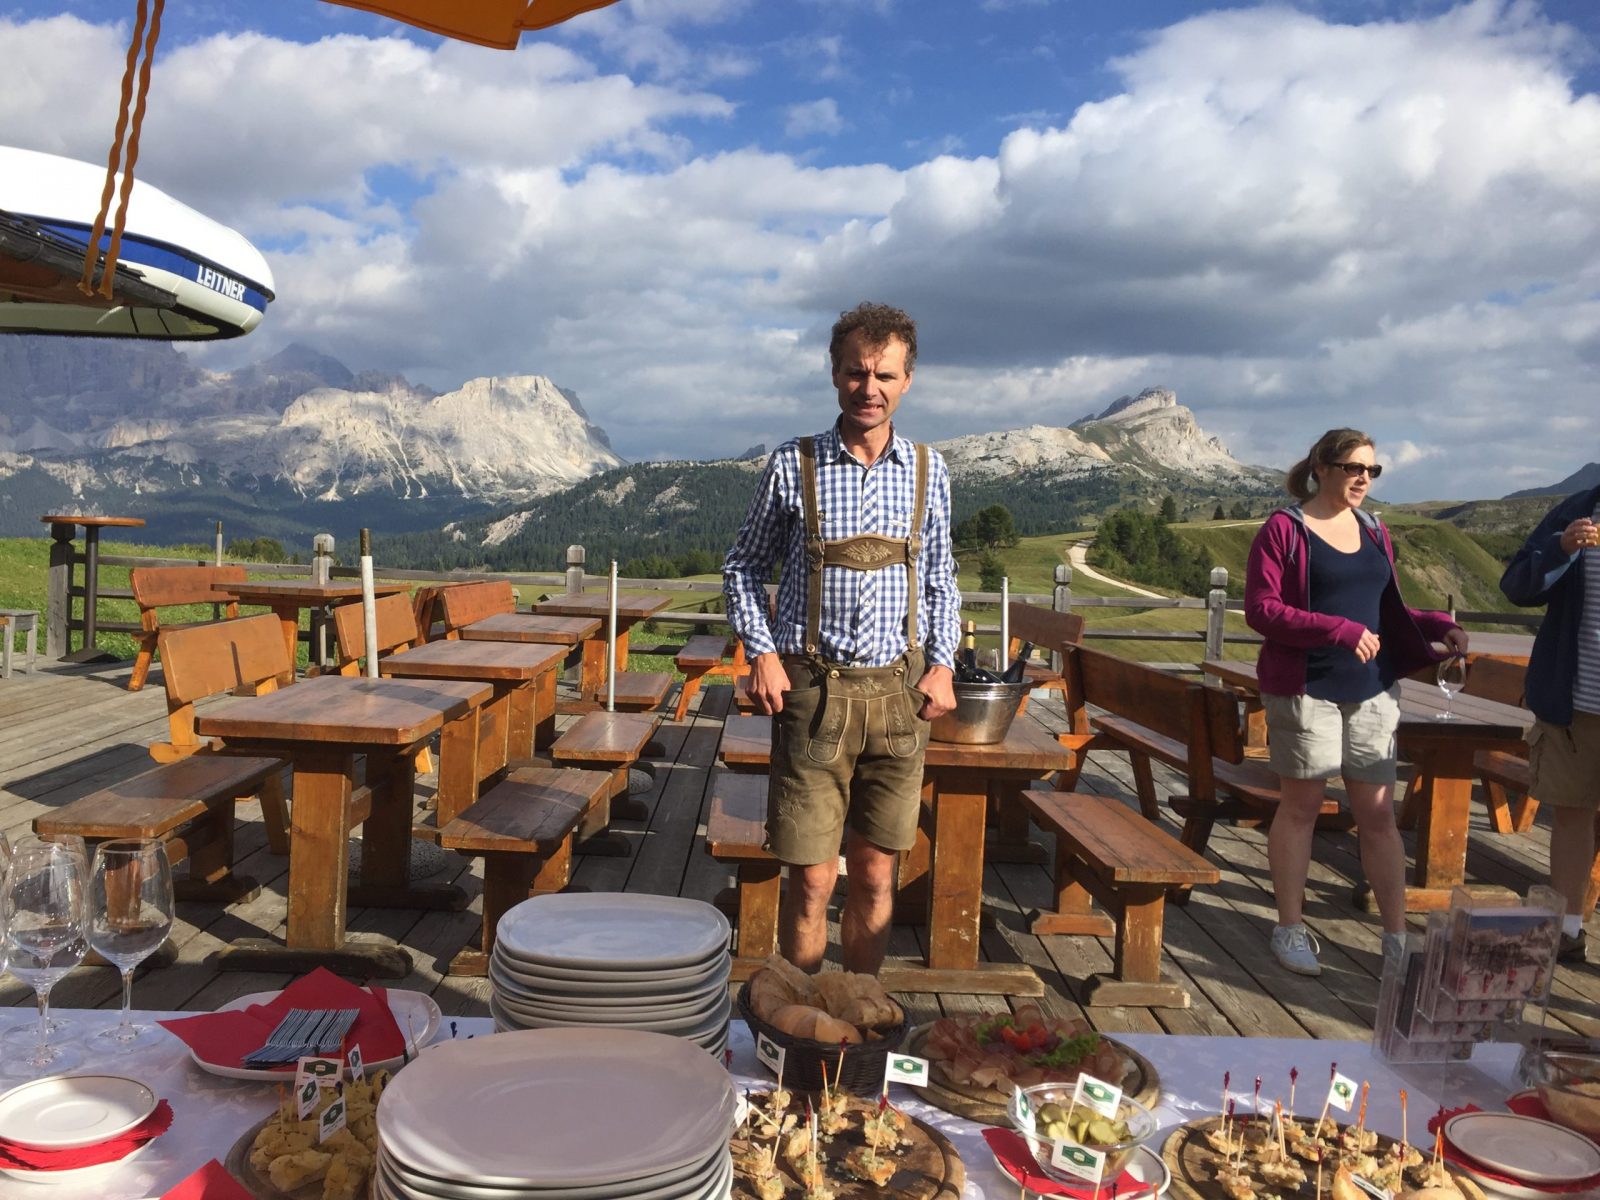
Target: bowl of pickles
<point>1057,1125</point>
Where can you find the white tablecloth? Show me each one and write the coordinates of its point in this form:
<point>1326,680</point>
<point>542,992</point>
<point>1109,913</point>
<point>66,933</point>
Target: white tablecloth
<point>210,1113</point>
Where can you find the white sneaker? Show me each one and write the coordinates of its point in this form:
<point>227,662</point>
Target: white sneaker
<point>1296,947</point>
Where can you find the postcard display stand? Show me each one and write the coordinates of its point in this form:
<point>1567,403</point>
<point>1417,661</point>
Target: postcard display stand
<point>1478,967</point>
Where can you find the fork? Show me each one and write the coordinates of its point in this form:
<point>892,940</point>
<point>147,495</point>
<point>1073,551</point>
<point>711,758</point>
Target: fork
<point>304,1031</point>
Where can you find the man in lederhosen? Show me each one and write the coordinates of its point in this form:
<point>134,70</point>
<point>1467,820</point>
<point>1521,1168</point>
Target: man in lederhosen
<point>860,658</point>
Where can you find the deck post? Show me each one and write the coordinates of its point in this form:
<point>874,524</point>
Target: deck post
<point>1061,601</point>
<point>58,604</point>
<point>575,560</point>
<point>1217,612</point>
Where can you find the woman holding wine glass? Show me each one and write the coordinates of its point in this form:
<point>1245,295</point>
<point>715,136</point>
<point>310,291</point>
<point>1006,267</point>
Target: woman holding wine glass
<point>1320,587</point>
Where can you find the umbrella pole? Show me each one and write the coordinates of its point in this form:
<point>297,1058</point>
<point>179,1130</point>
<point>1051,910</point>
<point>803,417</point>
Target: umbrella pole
<point>369,605</point>
<point>1005,623</point>
<point>611,643</point>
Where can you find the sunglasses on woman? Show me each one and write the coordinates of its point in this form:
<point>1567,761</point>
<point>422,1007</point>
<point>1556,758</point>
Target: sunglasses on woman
<point>1352,469</point>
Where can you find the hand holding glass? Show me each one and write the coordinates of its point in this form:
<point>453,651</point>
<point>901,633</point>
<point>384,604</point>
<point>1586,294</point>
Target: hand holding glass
<point>131,907</point>
<point>45,909</point>
<point>1452,678</point>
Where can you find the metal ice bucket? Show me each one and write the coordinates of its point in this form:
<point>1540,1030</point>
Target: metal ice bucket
<point>982,715</point>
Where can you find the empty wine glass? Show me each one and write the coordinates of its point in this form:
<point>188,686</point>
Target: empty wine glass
<point>1452,678</point>
<point>23,1034</point>
<point>130,907</point>
<point>45,907</point>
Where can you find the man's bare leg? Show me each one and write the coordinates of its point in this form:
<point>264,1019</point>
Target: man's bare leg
<point>803,913</point>
<point>868,904</point>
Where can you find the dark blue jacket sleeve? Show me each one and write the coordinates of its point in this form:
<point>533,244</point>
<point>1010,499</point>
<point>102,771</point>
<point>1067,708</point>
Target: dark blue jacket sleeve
<point>1541,562</point>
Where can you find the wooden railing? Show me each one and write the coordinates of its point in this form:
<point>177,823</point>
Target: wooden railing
<point>65,619</point>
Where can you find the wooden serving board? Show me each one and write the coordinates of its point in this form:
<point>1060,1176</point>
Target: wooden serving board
<point>1194,1164</point>
<point>930,1169</point>
<point>989,1105</point>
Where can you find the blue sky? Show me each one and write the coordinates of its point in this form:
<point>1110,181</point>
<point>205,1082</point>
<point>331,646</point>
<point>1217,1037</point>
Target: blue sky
<point>1352,211</point>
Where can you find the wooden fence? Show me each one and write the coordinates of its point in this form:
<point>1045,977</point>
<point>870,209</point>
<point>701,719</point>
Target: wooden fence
<point>73,593</point>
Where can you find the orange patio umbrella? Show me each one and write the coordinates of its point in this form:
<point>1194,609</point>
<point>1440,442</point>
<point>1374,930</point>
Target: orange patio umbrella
<point>496,23</point>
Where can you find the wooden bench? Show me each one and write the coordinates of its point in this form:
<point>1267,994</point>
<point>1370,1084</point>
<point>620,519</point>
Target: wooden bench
<point>14,621</point>
<point>155,588</point>
<point>188,805</point>
<point>1151,714</point>
<point>610,742</point>
<point>705,656</point>
<point>1048,630</point>
<point>736,832</point>
<point>467,603</point>
<point>224,657</point>
<point>1107,852</point>
<point>523,828</point>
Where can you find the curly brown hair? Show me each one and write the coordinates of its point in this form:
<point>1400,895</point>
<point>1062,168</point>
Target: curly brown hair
<point>1329,449</point>
<point>877,323</point>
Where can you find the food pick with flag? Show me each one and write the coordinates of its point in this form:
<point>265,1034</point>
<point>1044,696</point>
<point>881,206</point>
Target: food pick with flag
<point>1342,1091</point>
<point>905,1068</point>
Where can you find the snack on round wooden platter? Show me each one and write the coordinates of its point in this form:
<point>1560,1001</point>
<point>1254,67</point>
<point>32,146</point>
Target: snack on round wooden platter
<point>863,1151</point>
<point>977,1061</point>
<point>280,1157</point>
<point>1249,1158</point>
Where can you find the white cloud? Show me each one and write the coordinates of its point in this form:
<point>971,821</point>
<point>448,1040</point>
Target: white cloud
<point>1294,223</point>
<point>813,118</point>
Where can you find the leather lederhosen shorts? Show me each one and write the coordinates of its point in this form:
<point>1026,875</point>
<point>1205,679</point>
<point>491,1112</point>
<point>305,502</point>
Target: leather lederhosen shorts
<point>847,748</point>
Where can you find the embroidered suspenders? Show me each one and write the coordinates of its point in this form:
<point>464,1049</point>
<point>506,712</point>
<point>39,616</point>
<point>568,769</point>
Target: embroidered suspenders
<point>865,552</point>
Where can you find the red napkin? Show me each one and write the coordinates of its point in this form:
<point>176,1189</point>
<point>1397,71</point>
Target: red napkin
<point>1017,1161</point>
<point>25,1159</point>
<point>210,1182</point>
<point>1453,1155</point>
<point>224,1038</point>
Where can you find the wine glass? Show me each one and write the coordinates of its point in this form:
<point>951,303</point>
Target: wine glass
<point>130,906</point>
<point>1452,678</point>
<point>22,1035</point>
<point>45,907</point>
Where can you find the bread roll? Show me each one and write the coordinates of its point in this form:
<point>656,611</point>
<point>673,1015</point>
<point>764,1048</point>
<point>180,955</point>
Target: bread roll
<point>777,984</point>
<point>859,999</point>
<point>808,1021</point>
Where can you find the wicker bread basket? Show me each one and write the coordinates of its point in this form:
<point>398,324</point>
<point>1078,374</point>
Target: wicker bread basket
<point>804,1060</point>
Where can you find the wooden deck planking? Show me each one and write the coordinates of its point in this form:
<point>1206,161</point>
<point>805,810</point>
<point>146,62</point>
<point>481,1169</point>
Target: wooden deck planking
<point>68,730</point>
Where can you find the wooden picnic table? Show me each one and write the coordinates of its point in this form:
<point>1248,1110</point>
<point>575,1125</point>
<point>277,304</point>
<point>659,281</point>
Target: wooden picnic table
<point>631,609</point>
<point>1507,647</point>
<point>520,719</point>
<point>1443,750</point>
<point>61,527</point>
<point>286,597</point>
<point>942,876</point>
<point>532,628</point>
<point>321,725</point>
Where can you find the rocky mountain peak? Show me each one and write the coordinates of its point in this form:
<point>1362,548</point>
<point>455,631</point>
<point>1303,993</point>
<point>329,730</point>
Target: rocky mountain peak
<point>1129,408</point>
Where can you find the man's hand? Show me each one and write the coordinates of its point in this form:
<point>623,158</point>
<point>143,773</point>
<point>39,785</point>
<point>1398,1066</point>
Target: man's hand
<point>1582,532</point>
<point>1367,647</point>
<point>1456,640</point>
<point>938,685</point>
<point>768,682</point>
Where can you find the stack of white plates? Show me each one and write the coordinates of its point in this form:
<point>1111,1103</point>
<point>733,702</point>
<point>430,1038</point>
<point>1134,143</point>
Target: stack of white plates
<point>655,963</point>
<point>558,1115</point>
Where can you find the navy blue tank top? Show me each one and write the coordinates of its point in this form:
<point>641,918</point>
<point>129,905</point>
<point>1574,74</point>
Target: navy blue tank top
<point>1347,585</point>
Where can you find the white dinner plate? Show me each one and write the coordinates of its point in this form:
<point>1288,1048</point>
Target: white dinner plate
<point>698,979</point>
<point>701,1026</point>
<point>691,1180</point>
<point>665,1020</point>
<point>1525,1148</point>
<point>61,1112</point>
<point>414,1012</point>
<point>613,930</point>
<point>602,995</point>
<point>524,1106</point>
<point>1499,1186</point>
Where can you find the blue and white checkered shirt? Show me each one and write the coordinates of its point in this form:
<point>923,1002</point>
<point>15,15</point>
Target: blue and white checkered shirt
<point>863,612</point>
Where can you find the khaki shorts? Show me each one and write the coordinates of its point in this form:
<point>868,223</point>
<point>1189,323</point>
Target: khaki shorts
<point>1318,739</point>
<point>1564,762</point>
<point>847,747</point>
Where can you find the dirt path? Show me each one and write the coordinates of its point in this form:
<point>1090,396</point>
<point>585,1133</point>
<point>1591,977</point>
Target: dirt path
<point>1078,553</point>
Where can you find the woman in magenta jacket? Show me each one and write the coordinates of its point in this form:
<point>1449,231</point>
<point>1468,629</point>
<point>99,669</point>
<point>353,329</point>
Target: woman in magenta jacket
<point>1321,588</point>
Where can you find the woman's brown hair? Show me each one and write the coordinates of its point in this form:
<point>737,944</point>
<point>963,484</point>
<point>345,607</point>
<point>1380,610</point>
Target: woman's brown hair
<point>1330,448</point>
